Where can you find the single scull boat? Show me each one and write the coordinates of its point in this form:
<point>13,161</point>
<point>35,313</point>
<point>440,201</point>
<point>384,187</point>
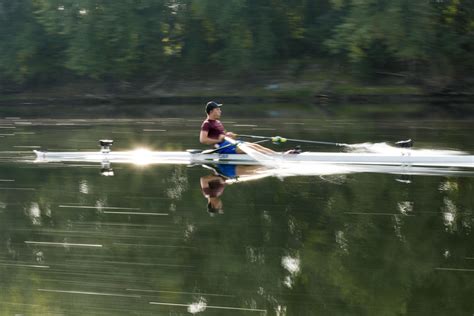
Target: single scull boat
<point>402,157</point>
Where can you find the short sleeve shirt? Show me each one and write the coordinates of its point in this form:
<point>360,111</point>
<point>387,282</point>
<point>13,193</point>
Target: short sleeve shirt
<point>216,188</point>
<point>213,127</point>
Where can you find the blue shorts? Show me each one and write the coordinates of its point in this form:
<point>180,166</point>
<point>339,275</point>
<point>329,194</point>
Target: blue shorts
<point>228,171</point>
<point>227,150</point>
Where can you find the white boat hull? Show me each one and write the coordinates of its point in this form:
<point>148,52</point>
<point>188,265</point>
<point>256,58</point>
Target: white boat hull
<point>406,157</point>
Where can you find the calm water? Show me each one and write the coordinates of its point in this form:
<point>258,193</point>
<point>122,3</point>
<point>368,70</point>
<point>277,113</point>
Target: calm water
<point>73,242</point>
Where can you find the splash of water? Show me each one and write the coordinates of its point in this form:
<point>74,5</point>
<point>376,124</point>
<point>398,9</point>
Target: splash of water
<point>198,307</point>
<point>385,148</point>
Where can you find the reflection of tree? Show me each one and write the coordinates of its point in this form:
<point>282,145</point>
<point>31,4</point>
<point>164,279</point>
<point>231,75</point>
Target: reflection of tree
<point>178,184</point>
<point>136,252</point>
<point>351,263</point>
<point>302,245</point>
<point>376,272</point>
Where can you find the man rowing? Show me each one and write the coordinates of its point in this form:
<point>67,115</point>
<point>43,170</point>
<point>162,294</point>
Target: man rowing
<point>214,133</point>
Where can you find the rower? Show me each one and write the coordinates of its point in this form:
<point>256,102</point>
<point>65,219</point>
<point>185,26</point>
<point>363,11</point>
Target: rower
<point>214,133</point>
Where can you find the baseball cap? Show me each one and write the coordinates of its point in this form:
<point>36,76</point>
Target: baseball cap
<point>211,105</point>
<point>214,210</point>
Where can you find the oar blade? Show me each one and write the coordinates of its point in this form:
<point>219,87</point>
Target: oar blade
<point>405,143</point>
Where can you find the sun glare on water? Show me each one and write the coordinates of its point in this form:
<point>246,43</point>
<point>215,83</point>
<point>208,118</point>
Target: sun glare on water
<point>142,156</point>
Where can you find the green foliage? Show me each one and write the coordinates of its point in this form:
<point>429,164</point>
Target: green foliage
<point>376,33</point>
<point>110,39</point>
<point>45,39</point>
<point>25,49</point>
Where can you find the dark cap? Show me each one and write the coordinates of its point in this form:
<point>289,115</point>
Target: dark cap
<point>211,105</point>
<point>214,210</point>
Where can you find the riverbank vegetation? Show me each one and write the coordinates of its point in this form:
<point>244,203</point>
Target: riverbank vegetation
<point>264,46</point>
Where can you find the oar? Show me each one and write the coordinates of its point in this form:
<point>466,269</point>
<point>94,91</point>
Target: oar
<point>235,143</point>
<point>211,151</point>
<point>405,143</point>
<point>278,140</point>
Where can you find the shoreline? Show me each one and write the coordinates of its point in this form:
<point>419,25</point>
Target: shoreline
<point>318,98</point>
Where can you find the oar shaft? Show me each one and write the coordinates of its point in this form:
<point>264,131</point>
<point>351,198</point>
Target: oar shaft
<point>233,143</point>
<point>255,136</point>
<point>212,151</point>
<point>295,140</point>
<point>315,142</point>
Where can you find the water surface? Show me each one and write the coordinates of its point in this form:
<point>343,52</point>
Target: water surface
<point>142,242</point>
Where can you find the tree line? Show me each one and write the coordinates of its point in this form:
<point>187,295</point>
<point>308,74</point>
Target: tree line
<point>47,40</point>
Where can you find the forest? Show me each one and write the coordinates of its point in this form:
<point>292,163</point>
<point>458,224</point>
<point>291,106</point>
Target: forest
<point>425,42</point>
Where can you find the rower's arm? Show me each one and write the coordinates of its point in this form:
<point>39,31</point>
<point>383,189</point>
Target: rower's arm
<point>231,135</point>
<point>209,178</point>
<point>204,138</point>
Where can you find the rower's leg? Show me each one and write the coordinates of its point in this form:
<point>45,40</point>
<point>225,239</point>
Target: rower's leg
<point>265,149</point>
<point>242,170</point>
<point>260,148</point>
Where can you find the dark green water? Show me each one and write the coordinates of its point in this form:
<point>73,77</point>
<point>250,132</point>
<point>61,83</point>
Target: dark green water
<point>73,242</point>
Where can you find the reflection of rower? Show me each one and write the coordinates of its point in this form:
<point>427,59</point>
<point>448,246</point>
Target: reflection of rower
<point>231,171</point>
<point>213,186</point>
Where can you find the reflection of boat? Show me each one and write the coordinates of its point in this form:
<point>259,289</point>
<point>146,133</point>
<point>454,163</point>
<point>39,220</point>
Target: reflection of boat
<point>310,169</point>
<point>404,157</point>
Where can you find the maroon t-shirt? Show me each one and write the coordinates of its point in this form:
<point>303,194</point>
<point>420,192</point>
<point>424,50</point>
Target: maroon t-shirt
<point>216,188</point>
<point>214,128</point>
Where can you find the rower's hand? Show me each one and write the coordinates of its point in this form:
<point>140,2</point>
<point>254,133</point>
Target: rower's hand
<point>222,137</point>
<point>231,135</point>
